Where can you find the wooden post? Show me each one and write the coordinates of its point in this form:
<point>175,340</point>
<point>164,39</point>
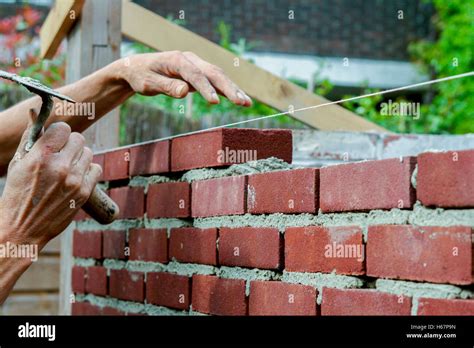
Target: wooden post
<point>93,43</point>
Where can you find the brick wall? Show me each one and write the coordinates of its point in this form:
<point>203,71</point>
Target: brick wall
<point>202,233</point>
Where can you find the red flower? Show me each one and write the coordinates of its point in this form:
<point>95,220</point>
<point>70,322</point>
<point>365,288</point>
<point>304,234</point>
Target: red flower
<point>8,25</point>
<point>30,16</point>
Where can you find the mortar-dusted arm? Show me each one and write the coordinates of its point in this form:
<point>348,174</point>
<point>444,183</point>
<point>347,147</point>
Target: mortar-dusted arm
<point>171,73</point>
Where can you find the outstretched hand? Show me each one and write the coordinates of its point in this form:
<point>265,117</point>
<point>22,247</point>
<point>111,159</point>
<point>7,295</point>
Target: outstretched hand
<point>177,73</point>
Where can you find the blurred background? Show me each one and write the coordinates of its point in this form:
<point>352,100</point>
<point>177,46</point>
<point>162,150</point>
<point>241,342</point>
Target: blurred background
<point>334,48</point>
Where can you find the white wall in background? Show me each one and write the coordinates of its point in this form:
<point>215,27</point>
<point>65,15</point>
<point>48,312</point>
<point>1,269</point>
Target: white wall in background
<point>377,73</point>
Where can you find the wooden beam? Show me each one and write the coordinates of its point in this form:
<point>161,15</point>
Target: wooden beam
<point>57,25</point>
<point>92,44</point>
<point>30,304</point>
<point>41,275</point>
<point>144,26</point>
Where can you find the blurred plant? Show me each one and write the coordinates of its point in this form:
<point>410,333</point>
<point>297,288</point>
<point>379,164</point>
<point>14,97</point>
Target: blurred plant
<point>451,109</point>
<point>240,47</point>
<point>448,107</point>
<point>370,108</point>
<point>20,48</point>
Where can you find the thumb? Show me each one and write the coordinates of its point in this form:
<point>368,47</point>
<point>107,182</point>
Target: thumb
<point>21,150</point>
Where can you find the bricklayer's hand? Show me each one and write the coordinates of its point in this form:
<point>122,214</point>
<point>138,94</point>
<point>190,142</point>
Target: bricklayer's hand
<point>176,74</point>
<point>46,186</point>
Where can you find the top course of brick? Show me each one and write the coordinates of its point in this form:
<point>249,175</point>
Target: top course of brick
<point>441,179</point>
<point>217,148</point>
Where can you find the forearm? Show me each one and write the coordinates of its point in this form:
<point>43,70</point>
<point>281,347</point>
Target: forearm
<point>11,268</point>
<point>106,89</point>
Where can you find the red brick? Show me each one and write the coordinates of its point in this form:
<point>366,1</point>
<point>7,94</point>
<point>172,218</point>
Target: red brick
<point>100,160</point>
<point>325,249</point>
<point>78,278</point>
<point>169,290</point>
<point>77,308</point>
<point>81,215</point>
<point>212,295</point>
<point>91,309</point>
<point>278,298</point>
<point>288,191</point>
<point>114,243</point>
<point>205,149</point>
<point>126,285</point>
<point>116,165</point>
<point>96,281</point>
<point>87,244</point>
<point>433,254</point>
<point>194,245</point>
<point>250,247</point>
<point>169,200</point>
<point>111,311</point>
<point>363,302</point>
<point>131,201</point>
<point>148,245</point>
<point>216,197</point>
<point>364,186</point>
<point>438,306</point>
<point>153,158</point>
<point>84,308</point>
<point>445,179</point>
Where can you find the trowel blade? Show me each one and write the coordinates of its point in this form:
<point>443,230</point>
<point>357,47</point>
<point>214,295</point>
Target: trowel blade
<point>34,86</point>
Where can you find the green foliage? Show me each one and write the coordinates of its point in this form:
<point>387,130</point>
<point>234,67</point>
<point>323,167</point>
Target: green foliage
<point>238,48</point>
<point>452,108</point>
<point>448,106</point>
<point>370,108</point>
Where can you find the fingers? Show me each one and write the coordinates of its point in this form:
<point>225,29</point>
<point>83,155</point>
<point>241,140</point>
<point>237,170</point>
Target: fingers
<point>180,66</point>
<point>220,81</point>
<point>84,176</point>
<point>72,152</point>
<point>81,167</point>
<point>161,84</point>
<point>94,171</point>
<point>21,151</point>
<point>54,138</point>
